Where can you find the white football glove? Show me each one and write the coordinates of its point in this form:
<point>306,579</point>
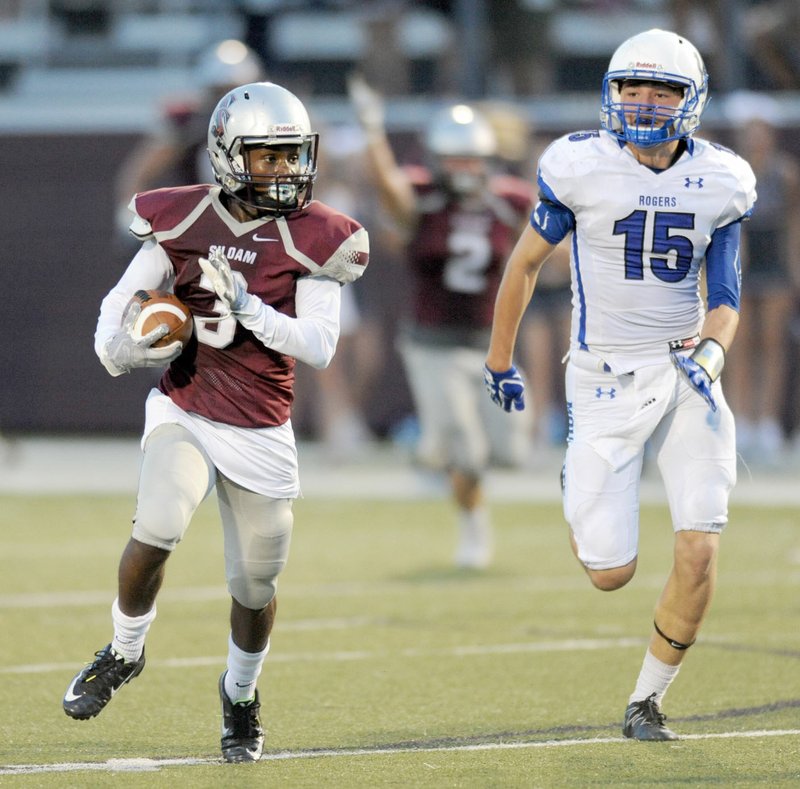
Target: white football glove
<point>229,285</point>
<point>367,103</point>
<point>122,353</point>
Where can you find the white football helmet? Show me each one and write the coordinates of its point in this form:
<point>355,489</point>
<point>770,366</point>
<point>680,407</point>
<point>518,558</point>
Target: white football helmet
<point>461,132</point>
<point>262,114</point>
<point>654,56</point>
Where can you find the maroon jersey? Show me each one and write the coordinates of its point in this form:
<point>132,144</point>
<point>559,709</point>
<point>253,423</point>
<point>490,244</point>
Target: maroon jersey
<point>225,373</point>
<point>459,249</point>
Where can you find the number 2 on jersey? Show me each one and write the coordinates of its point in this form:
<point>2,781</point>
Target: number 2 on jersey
<point>470,255</point>
<point>634,227</point>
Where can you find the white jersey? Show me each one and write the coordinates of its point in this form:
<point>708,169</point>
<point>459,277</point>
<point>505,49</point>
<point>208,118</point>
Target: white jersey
<point>640,240</point>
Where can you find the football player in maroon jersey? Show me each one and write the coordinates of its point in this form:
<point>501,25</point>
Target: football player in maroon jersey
<point>261,266</point>
<point>460,221</point>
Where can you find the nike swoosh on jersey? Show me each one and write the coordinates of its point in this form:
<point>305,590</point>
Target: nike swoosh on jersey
<point>257,237</point>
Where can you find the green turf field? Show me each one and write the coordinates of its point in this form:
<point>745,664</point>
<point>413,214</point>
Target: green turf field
<point>389,668</point>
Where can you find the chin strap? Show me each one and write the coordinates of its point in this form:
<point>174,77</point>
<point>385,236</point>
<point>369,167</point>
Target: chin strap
<point>674,644</point>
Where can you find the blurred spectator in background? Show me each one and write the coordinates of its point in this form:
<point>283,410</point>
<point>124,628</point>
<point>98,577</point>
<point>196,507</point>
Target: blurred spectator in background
<point>335,405</point>
<point>410,48</point>
<point>460,222</point>
<point>545,342</point>
<point>513,131</point>
<point>521,46</point>
<point>10,9</point>
<point>749,43</point>
<point>771,32</point>
<point>760,361</point>
<point>176,153</point>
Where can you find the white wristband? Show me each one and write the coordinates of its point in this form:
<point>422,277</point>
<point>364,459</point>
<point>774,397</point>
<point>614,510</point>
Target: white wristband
<point>710,355</point>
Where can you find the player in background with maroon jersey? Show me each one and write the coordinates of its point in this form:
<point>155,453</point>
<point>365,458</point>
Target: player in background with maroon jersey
<point>261,266</point>
<point>460,220</point>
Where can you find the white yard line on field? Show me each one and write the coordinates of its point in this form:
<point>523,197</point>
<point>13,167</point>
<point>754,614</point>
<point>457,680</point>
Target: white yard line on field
<point>150,765</point>
<point>291,589</point>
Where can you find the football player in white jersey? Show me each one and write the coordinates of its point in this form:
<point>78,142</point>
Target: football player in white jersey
<point>652,211</point>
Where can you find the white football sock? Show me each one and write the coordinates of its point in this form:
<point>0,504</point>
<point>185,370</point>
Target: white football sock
<point>243,670</point>
<point>655,677</point>
<point>474,548</point>
<point>130,632</point>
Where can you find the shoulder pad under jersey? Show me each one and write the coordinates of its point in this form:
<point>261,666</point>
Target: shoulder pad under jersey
<point>139,227</point>
<point>326,242</point>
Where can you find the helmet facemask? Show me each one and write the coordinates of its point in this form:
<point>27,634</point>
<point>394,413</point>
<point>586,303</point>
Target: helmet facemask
<point>273,194</point>
<point>646,125</point>
<point>462,176</point>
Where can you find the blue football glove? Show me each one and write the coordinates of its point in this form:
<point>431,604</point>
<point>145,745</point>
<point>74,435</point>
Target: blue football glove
<point>702,368</point>
<point>507,389</point>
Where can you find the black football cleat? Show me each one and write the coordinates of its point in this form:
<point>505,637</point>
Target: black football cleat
<point>645,721</point>
<point>93,687</point>
<point>242,735</point>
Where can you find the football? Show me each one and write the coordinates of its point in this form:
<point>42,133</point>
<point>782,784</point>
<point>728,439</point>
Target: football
<point>160,306</point>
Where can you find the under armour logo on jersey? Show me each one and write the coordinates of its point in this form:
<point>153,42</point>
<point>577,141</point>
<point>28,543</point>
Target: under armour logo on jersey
<point>690,182</point>
<point>540,216</point>
<point>609,393</point>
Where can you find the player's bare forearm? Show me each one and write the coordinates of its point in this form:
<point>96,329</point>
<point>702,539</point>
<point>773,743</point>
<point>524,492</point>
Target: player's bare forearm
<point>509,308</point>
<point>394,187</point>
<point>516,289</point>
<point>721,324</point>
<point>396,191</point>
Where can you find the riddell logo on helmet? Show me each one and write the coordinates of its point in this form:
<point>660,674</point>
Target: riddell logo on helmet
<point>644,65</point>
<point>285,128</point>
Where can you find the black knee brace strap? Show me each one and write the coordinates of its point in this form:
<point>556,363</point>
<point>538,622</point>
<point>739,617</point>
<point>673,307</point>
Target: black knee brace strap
<point>674,644</point>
